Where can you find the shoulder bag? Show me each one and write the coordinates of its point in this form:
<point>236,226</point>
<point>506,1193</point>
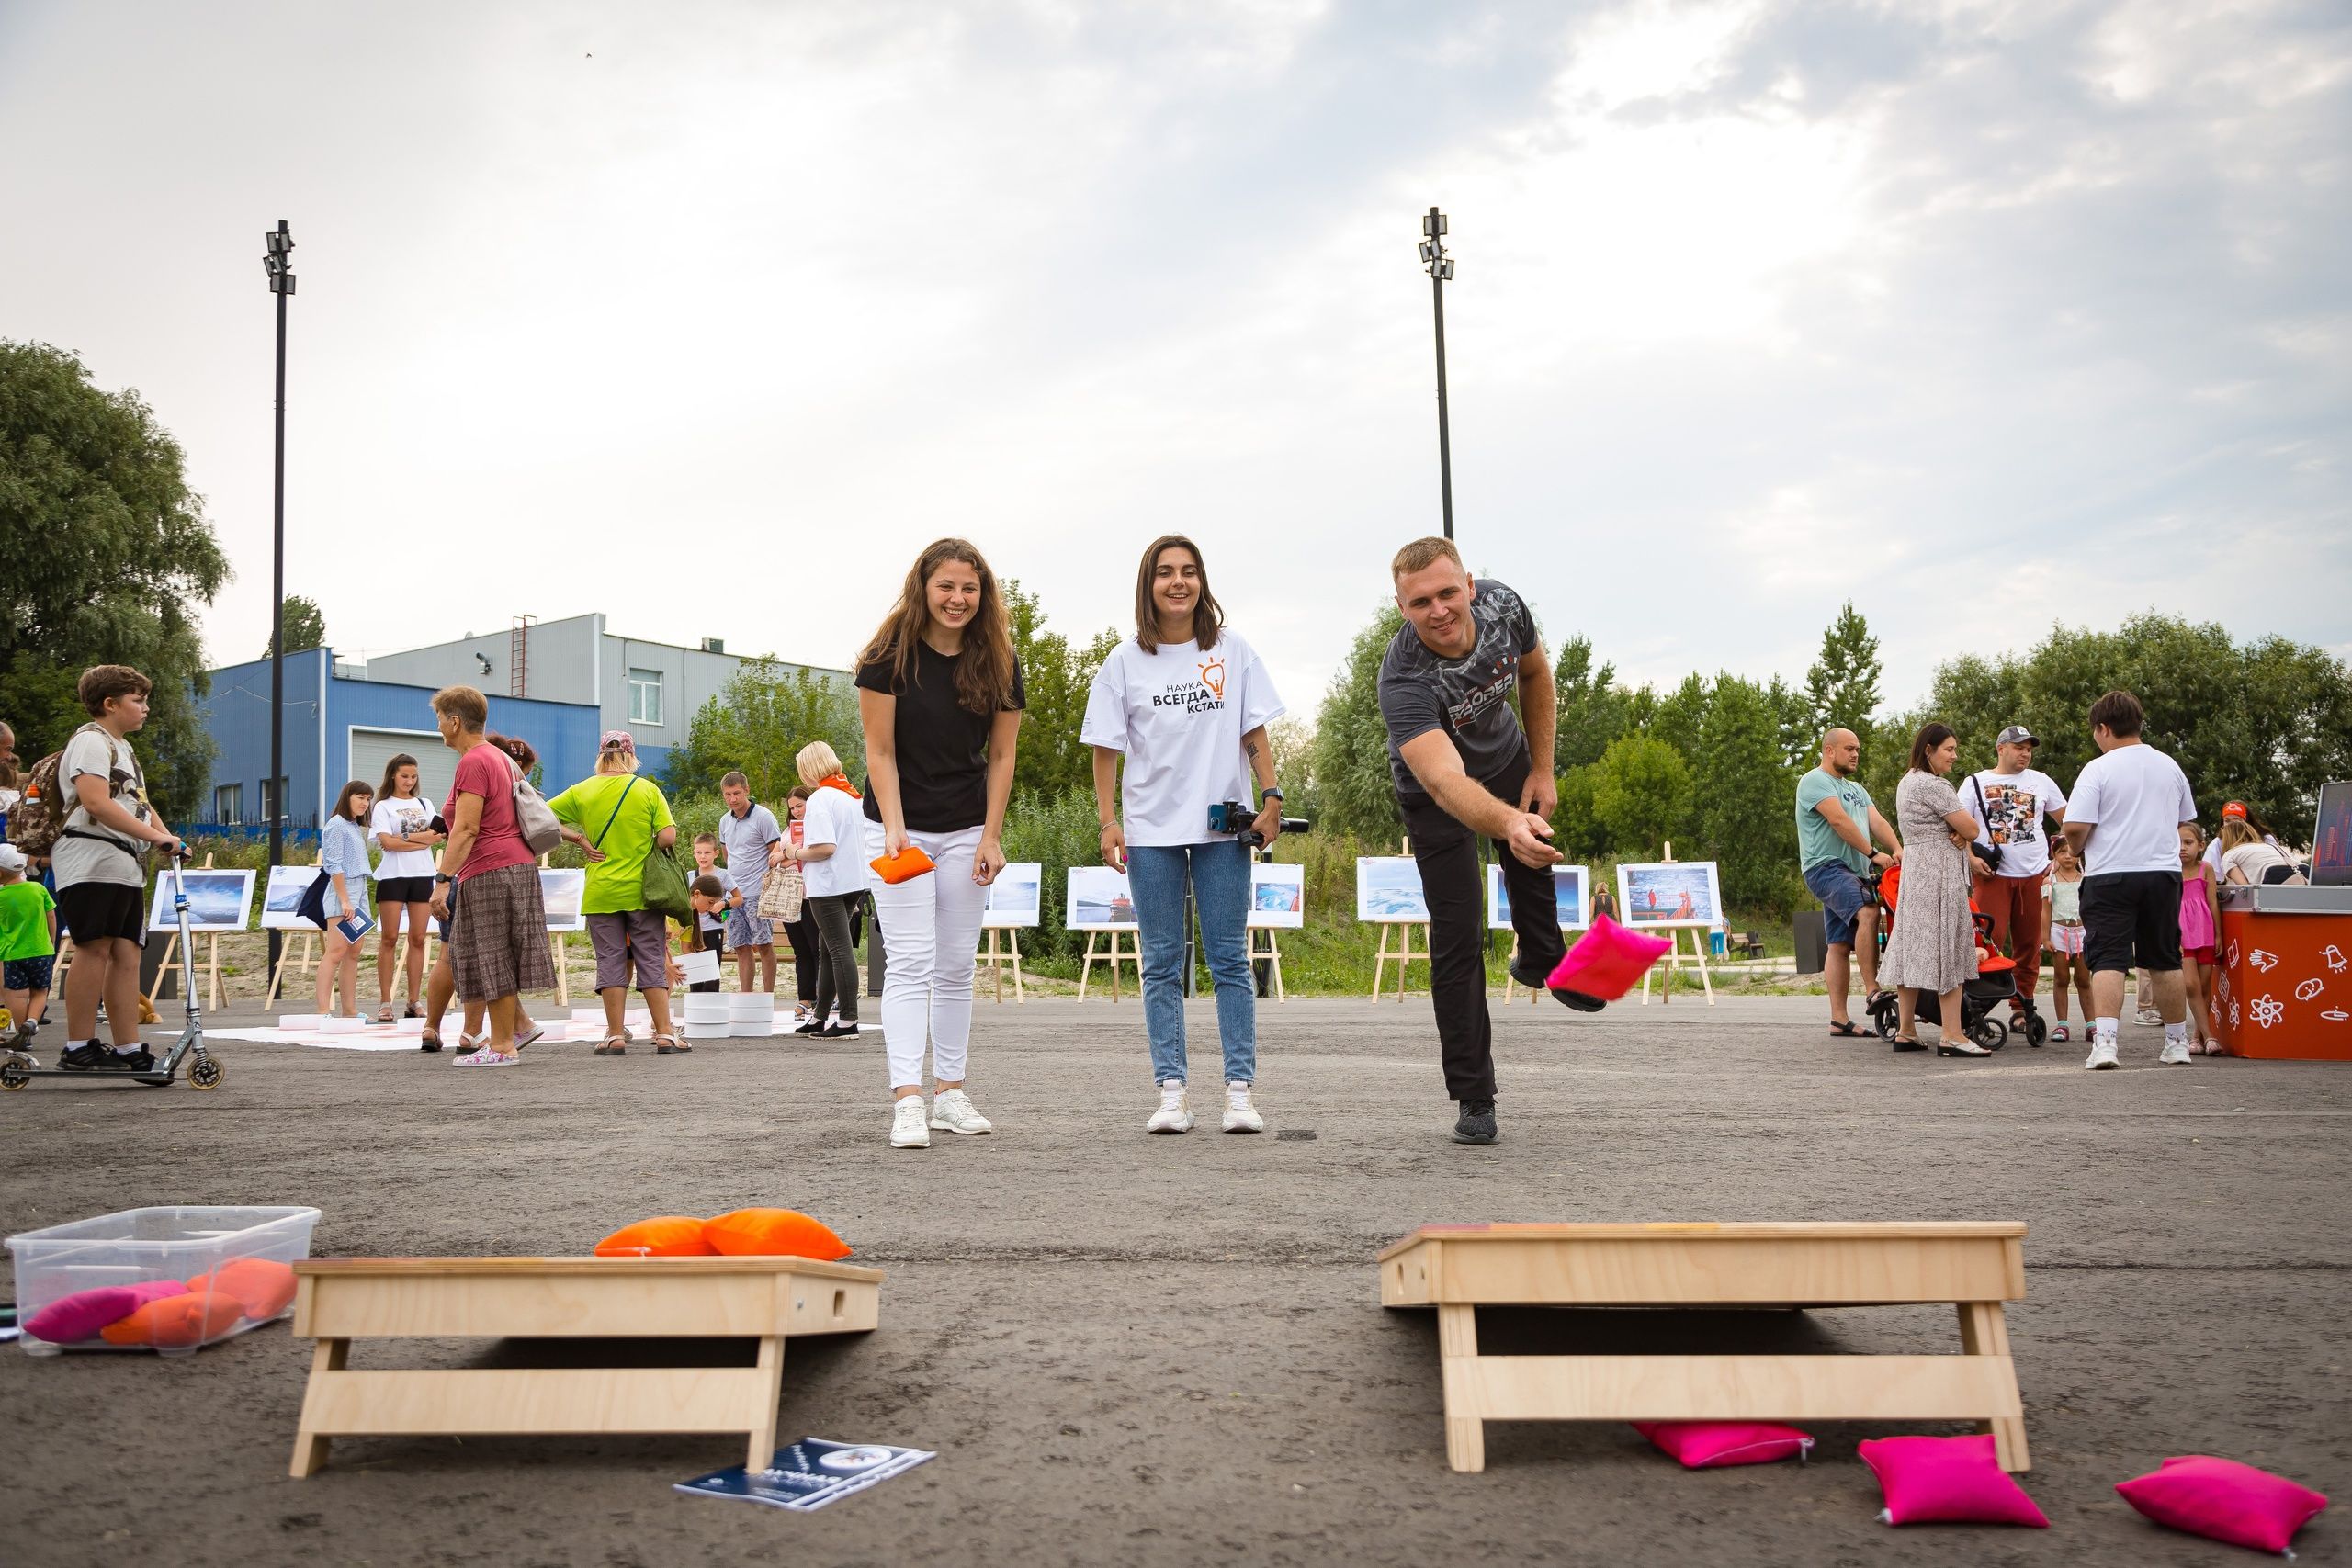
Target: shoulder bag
<point>534,817</point>
<point>1988,855</point>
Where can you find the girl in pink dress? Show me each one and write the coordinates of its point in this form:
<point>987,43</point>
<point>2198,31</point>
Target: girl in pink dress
<point>2200,929</point>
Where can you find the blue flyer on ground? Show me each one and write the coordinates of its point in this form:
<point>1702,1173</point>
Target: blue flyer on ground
<point>809,1474</point>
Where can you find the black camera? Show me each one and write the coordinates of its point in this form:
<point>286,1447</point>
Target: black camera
<point>1235,817</point>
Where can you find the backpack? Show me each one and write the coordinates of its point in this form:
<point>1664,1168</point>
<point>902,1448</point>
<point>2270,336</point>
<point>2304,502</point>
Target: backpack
<point>39,820</point>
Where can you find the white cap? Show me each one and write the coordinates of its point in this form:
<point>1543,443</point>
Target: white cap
<point>11,858</point>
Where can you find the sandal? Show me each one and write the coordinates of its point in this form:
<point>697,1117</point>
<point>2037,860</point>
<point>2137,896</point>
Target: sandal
<point>414,1012</point>
<point>383,1014</point>
<point>429,1041</point>
<point>668,1045</point>
<point>613,1045</point>
<point>1844,1032</point>
<point>1906,1043</point>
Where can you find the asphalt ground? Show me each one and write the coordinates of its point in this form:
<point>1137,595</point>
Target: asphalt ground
<point>1141,1349</point>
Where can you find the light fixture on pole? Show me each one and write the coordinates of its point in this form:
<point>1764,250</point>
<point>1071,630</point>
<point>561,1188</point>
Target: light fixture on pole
<point>278,262</point>
<point>1440,268</point>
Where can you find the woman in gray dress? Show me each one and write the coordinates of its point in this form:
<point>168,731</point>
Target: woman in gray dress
<point>1933,947</point>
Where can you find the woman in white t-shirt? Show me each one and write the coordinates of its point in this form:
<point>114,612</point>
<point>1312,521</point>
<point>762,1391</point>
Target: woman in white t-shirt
<point>401,825</point>
<point>833,870</point>
<point>1185,704</point>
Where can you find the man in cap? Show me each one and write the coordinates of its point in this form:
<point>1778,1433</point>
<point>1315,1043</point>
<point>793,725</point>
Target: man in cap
<point>2011,799</point>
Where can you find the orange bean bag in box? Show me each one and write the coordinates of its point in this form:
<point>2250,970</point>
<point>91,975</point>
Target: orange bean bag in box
<point>664,1236</point>
<point>774,1232</point>
<point>177,1322</point>
<point>264,1285</point>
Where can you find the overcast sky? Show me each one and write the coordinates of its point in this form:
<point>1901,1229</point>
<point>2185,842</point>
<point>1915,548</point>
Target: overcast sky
<point>1983,315</point>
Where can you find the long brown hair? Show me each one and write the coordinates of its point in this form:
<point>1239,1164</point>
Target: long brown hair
<point>343,799</point>
<point>393,773</point>
<point>1930,736</point>
<point>984,674</point>
<point>1208,615</point>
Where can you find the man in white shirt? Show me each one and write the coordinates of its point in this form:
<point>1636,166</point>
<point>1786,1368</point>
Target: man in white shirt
<point>2124,821</point>
<point>2010,800</point>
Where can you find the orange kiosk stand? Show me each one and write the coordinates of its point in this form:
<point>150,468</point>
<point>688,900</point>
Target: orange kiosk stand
<point>2286,984</point>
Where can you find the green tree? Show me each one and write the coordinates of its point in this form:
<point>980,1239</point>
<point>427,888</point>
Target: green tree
<point>306,625</point>
<point>108,556</point>
<point>1055,677</point>
<point>1744,790</point>
<point>759,724</point>
<point>1640,793</point>
<point>1842,686</point>
<point>1577,828</point>
<point>1592,709</point>
<point>1679,715</point>
<point>1352,782</point>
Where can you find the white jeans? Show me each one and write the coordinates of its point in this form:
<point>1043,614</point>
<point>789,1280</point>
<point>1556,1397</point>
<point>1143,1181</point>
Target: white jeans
<point>931,934</point>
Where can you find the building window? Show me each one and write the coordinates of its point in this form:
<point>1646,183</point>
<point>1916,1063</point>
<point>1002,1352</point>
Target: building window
<point>269,799</point>
<point>228,804</point>
<point>645,696</point>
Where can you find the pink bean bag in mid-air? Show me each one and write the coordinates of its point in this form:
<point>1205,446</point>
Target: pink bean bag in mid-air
<point>1605,963</point>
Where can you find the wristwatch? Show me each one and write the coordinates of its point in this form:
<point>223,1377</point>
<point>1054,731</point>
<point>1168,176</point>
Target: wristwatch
<point>1274,792</point>
<point>443,876</point>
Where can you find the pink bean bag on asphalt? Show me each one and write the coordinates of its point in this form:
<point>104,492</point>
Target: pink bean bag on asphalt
<point>1709,1444</point>
<point>1952,1480</point>
<point>2225,1500</point>
<point>1607,962</point>
<point>69,1320</point>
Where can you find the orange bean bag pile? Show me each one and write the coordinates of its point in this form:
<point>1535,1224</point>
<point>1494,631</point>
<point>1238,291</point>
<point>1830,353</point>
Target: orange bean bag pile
<point>264,1286</point>
<point>664,1236</point>
<point>745,1232</point>
<point>178,1322</point>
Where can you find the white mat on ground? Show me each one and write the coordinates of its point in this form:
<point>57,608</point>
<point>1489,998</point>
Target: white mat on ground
<point>385,1039</point>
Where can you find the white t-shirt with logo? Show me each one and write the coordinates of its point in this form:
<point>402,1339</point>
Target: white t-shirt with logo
<point>2012,810</point>
<point>2137,797</point>
<point>835,818</point>
<point>76,860</point>
<point>1178,713</point>
<point>401,819</point>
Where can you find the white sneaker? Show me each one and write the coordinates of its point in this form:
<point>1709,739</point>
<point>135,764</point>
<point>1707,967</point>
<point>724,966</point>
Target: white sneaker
<point>2102,1056</point>
<point>1241,1116</point>
<point>907,1130</point>
<point>1174,1114</point>
<point>952,1112</point>
<point>2175,1054</point>
<point>2150,1019</point>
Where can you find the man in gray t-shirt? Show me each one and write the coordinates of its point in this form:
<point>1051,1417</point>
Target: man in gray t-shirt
<point>1468,766</point>
<point>746,832</point>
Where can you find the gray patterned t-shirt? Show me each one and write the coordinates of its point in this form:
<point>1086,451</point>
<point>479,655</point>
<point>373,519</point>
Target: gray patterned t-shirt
<point>1469,698</point>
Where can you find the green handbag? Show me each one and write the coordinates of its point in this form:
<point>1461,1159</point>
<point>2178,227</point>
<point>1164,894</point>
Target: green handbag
<point>665,890</point>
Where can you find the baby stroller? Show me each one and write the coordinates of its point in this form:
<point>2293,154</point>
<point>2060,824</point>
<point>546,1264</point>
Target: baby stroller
<point>1980,999</point>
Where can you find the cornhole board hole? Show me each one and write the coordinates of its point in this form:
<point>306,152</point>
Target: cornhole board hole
<point>338,1300</point>
<point>1974,1266</point>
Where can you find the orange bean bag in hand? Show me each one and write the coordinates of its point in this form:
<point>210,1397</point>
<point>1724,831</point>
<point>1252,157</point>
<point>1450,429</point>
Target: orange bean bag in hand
<point>264,1285</point>
<point>774,1232</point>
<point>664,1236</point>
<point>177,1322</point>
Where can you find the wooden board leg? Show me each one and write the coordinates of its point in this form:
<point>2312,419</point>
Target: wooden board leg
<point>1379,961</point>
<point>1086,966</point>
<point>762,1453</point>
<point>1985,1331</point>
<point>310,1448</point>
<point>1457,1345</point>
<point>1013,939</point>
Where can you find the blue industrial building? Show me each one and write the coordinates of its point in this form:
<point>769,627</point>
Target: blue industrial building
<point>341,725</point>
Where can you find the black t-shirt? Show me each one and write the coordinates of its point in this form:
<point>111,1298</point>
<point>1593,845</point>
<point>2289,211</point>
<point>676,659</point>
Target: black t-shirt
<point>943,746</point>
<point>1469,697</point>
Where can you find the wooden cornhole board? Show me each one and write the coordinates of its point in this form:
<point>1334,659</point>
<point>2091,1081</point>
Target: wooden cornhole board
<point>1974,1266</point>
<point>338,1300</point>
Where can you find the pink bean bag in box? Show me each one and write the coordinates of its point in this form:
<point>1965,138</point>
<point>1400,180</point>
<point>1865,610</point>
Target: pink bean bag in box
<point>2225,1500</point>
<point>69,1320</point>
<point>1605,963</point>
<point>1952,1480</point>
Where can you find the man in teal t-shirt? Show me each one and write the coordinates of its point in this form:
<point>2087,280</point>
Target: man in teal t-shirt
<point>1835,823</point>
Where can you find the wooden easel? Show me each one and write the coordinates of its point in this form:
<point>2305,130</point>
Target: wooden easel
<point>1132,953</point>
<point>1674,958</point>
<point>1511,981</point>
<point>304,960</point>
<point>1270,954</point>
<point>185,964</point>
<point>998,960</point>
<point>1402,956</point>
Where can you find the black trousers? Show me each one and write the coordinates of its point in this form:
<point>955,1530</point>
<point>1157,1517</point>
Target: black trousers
<point>802,934</point>
<point>1448,855</point>
<point>837,957</point>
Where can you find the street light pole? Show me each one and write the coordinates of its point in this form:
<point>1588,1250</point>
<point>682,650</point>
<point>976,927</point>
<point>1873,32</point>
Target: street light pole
<point>277,262</point>
<point>1441,270</point>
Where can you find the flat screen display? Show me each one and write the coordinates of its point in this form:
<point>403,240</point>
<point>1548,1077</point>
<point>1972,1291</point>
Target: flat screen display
<point>2332,837</point>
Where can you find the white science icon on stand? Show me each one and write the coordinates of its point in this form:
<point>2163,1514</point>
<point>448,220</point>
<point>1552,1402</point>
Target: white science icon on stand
<point>2265,962</point>
<point>2337,1015</point>
<point>2229,955</point>
<point>2308,989</point>
<point>2234,1015</point>
<point>2333,956</point>
<point>2267,1011</point>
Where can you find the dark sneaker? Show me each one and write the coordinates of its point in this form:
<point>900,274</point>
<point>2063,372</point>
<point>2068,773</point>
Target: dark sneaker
<point>810,1027</point>
<point>844,1030</point>
<point>98,1056</point>
<point>1535,978</point>
<point>1476,1125</point>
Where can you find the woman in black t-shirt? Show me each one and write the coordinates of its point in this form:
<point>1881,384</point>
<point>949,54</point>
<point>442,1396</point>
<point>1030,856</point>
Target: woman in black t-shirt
<point>939,693</point>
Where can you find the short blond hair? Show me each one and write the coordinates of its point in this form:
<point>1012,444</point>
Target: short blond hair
<point>817,762</point>
<point>1422,554</point>
<point>464,704</point>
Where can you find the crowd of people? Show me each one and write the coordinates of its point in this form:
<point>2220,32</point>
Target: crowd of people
<point>2127,880</point>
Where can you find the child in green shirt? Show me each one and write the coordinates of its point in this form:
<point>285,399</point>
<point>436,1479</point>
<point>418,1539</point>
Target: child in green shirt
<point>28,948</point>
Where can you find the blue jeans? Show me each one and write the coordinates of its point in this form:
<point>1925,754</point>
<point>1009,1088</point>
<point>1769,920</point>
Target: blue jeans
<point>1220,878</point>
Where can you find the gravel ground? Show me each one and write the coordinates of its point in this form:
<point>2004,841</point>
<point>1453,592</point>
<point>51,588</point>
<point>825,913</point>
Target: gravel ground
<point>1170,1350</point>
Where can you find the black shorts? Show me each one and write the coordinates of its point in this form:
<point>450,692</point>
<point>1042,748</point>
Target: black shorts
<point>101,911</point>
<point>403,890</point>
<point>2131,919</point>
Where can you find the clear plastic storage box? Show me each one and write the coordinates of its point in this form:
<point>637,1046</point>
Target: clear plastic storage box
<point>186,1244</point>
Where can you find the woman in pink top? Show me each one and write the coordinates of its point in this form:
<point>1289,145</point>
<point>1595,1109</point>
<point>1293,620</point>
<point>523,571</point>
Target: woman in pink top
<point>498,941</point>
<point>2200,935</point>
